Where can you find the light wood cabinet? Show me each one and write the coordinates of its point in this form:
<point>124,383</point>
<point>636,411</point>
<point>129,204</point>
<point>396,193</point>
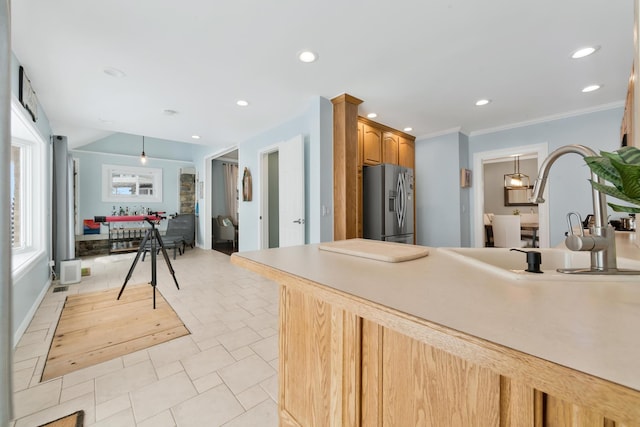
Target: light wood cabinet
<point>372,145</point>
<point>390,145</point>
<point>359,178</point>
<point>406,153</point>
<point>345,363</point>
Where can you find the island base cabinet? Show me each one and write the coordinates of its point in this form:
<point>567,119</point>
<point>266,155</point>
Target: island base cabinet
<point>339,369</point>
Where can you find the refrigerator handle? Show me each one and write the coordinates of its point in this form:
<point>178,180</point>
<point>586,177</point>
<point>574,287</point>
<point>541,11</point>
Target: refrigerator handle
<point>400,200</point>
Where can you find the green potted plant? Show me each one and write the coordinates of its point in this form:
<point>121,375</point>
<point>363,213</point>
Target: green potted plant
<point>621,169</point>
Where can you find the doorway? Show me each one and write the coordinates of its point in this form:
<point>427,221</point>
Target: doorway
<point>221,196</point>
<point>481,189</point>
<point>282,173</point>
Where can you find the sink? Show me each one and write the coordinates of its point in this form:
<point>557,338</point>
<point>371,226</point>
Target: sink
<point>511,264</point>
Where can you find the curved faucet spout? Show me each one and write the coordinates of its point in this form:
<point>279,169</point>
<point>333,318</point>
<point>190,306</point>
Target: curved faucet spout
<point>599,199</point>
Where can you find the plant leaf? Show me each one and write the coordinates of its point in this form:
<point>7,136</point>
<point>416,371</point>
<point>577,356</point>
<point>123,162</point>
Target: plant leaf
<point>613,192</point>
<point>630,176</point>
<point>620,208</point>
<point>602,167</point>
<point>630,155</point>
<point>611,156</point>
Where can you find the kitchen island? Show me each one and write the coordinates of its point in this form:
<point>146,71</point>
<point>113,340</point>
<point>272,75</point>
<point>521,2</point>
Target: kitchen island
<point>434,341</point>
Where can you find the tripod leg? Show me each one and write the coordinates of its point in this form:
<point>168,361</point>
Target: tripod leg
<point>166,258</point>
<point>135,261</point>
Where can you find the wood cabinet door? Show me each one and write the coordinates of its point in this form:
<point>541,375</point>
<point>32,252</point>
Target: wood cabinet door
<point>406,153</point>
<point>408,383</point>
<point>390,143</point>
<point>319,376</point>
<point>372,145</point>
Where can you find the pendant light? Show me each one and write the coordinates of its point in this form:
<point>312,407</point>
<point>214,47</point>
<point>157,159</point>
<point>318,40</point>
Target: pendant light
<point>143,157</point>
<point>516,179</point>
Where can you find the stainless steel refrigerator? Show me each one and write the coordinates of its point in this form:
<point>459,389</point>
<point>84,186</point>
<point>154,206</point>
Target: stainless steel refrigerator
<point>388,203</point>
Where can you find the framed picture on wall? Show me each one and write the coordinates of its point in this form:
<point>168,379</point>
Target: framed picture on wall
<point>26,95</point>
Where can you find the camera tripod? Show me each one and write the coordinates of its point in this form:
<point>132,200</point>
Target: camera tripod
<point>152,235</point>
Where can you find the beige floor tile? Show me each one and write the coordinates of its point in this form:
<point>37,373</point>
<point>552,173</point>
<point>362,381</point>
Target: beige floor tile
<point>124,380</point>
<point>207,382</point>
<point>211,408</point>
<point>161,395</point>
<point>264,415</point>
<point>86,403</point>
<point>163,419</point>
<point>270,385</point>
<point>266,348</point>
<point>232,315</point>
<point>172,351</point>
<point>77,390</point>
<point>240,338</point>
<point>37,398</point>
<point>246,373</point>
<point>169,369</point>
<point>207,361</point>
<point>123,418</point>
<point>92,372</point>
<point>252,396</point>
<point>112,407</point>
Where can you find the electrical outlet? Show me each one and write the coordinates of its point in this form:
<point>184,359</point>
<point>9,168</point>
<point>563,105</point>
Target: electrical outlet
<point>52,263</point>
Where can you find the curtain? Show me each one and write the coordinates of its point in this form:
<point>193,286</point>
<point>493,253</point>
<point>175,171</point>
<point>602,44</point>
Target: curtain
<point>62,213</point>
<point>231,190</point>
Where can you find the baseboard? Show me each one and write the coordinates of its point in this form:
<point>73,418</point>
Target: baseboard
<point>32,312</point>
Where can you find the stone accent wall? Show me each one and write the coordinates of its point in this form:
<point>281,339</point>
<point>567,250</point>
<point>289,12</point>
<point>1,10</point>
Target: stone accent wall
<point>92,247</point>
<point>187,193</point>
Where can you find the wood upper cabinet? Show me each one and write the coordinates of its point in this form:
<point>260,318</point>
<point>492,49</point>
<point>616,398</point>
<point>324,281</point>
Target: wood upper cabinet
<point>390,144</point>
<point>372,145</point>
<point>626,128</point>
<point>407,153</point>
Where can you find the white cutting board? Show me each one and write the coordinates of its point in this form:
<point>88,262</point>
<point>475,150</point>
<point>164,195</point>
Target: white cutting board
<point>375,249</point>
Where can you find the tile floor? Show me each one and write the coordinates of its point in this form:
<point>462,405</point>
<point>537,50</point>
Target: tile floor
<point>223,374</point>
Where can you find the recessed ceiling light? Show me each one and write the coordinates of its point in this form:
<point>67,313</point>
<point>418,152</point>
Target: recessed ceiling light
<point>481,102</point>
<point>585,51</point>
<point>307,56</point>
<point>170,112</point>
<point>195,136</point>
<point>242,103</point>
<point>591,88</point>
<point>113,72</point>
<point>372,115</point>
<point>408,129</point>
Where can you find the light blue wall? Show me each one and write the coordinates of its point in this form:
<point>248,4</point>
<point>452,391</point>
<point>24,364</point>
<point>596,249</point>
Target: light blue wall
<point>568,186</point>
<point>29,287</point>
<point>465,193</point>
<point>438,196</point>
<point>90,202</point>
<point>318,138</point>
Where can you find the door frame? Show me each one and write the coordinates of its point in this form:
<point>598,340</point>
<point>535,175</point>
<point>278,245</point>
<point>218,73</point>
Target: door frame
<point>207,208</point>
<point>479,158</point>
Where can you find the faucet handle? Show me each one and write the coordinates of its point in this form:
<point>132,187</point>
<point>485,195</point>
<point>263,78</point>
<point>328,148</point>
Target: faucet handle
<point>571,226</point>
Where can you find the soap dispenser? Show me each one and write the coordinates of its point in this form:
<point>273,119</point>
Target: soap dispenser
<point>534,260</point>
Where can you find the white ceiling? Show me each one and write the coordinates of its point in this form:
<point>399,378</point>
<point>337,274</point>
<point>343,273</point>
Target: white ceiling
<point>418,63</point>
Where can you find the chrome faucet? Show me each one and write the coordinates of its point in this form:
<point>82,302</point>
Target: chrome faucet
<point>601,241</point>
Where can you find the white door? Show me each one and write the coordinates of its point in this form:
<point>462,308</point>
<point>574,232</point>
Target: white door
<point>291,192</point>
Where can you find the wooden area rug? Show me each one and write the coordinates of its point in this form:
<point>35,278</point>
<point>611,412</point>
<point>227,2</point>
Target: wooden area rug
<point>73,420</point>
<point>96,327</point>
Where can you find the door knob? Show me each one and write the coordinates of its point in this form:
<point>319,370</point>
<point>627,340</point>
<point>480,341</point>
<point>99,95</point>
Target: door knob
<point>299,221</point>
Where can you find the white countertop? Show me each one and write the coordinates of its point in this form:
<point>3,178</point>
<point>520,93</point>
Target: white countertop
<point>593,327</point>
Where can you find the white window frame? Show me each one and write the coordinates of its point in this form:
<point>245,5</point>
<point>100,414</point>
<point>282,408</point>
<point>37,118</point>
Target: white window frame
<point>34,189</point>
<point>109,170</point>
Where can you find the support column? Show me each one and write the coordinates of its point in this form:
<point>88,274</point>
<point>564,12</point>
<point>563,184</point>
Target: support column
<point>6,324</point>
<point>345,162</point>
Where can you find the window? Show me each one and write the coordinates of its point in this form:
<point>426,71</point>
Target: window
<point>130,183</point>
<point>27,190</point>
